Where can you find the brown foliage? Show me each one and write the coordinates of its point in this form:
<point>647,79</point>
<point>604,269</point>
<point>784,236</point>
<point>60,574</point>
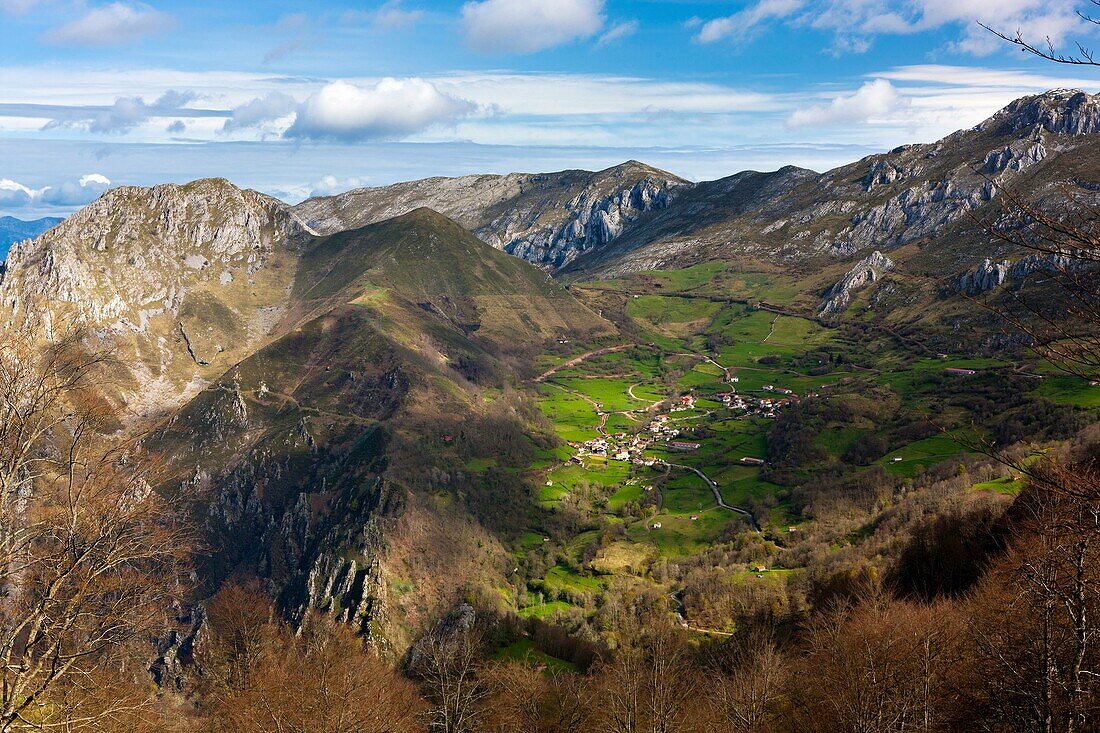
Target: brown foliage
<point>323,681</point>
<point>91,561</point>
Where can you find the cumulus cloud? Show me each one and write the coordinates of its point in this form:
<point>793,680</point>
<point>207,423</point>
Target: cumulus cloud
<point>15,195</point>
<point>389,110</point>
<point>619,31</point>
<point>112,25</point>
<point>527,26</point>
<point>875,99</point>
<point>177,127</point>
<point>743,22</point>
<point>125,114</point>
<point>260,110</point>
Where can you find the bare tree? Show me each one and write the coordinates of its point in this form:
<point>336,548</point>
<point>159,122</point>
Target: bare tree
<point>323,681</point>
<point>90,559</point>
<point>749,682</point>
<point>1083,56</point>
<point>882,666</point>
<point>526,699</point>
<point>1035,627</point>
<point>448,662</point>
<point>653,686</point>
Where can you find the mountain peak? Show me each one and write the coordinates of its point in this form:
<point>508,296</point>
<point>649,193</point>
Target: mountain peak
<point>1059,111</point>
<point>636,168</point>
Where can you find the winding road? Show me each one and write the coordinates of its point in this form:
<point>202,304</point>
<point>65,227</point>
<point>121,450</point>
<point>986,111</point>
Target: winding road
<point>718,494</point>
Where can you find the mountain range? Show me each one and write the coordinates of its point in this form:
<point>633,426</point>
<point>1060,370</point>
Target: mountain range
<point>318,379</point>
<point>14,230</point>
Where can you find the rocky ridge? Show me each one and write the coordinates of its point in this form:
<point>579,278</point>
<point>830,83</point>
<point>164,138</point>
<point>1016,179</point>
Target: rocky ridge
<point>181,277</point>
<point>924,193</point>
<point>546,219</point>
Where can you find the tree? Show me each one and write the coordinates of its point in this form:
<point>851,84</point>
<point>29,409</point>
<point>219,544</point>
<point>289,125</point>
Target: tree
<point>525,699</point>
<point>1035,622</point>
<point>651,686</point>
<point>749,682</point>
<point>448,661</point>
<point>91,562</point>
<point>1046,50</point>
<point>882,666</point>
<point>323,681</point>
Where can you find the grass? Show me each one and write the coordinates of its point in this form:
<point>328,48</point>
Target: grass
<point>524,651</point>
<point>573,417</point>
<point>561,578</point>
<point>1005,485</point>
<point>613,395</point>
<point>921,454</point>
<point>1069,390</point>
<point>672,316</point>
<point>544,610</point>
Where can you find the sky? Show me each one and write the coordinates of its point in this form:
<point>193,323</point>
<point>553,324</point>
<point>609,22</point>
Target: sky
<point>298,99</point>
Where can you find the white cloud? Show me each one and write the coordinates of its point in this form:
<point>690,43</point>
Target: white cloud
<point>743,22</point>
<point>260,110</point>
<point>124,114</point>
<point>15,195</point>
<point>619,31</point>
<point>112,25</point>
<point>855,23</point>
<point>527,26</point>
<point>392,15</point>
<point>390,109</point>
<point>874,100</point>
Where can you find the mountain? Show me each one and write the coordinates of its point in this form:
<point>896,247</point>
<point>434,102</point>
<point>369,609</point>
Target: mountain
<point>14,230</point>
<point>918,203</point>
<point>546,219</point>
<point>187,279</point>
<point>295,386</point>
<point>392,370</point>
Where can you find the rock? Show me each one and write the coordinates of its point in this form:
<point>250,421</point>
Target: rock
<point>865,272</point>
<point>1059,111</point>
<point>882,173</point>
<point>985,277</point>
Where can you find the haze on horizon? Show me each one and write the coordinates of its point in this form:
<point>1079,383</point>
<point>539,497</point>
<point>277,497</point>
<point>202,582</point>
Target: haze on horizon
<point>298,99</point>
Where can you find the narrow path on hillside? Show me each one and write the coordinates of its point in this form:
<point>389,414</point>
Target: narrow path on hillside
<point>652,405</point>
<point>579,359</point>
<point>774,321</point>
<point>718,495</point>
<point>601,426</point>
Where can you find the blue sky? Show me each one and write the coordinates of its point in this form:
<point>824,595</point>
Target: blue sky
<point>297,98</point>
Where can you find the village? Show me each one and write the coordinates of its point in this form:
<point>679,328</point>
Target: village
<point>662,429</point>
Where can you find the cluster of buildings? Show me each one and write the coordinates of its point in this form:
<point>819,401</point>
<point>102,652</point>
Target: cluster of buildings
<point>627,447</point>
<point>753,405</point>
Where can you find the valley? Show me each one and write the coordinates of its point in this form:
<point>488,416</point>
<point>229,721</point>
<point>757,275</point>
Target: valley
<point>679,443</point>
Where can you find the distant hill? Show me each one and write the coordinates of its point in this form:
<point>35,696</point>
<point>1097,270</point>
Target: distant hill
<point>14,230</point>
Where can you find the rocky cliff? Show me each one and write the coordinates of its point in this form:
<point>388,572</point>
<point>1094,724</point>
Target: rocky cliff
<point>547,219</point>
